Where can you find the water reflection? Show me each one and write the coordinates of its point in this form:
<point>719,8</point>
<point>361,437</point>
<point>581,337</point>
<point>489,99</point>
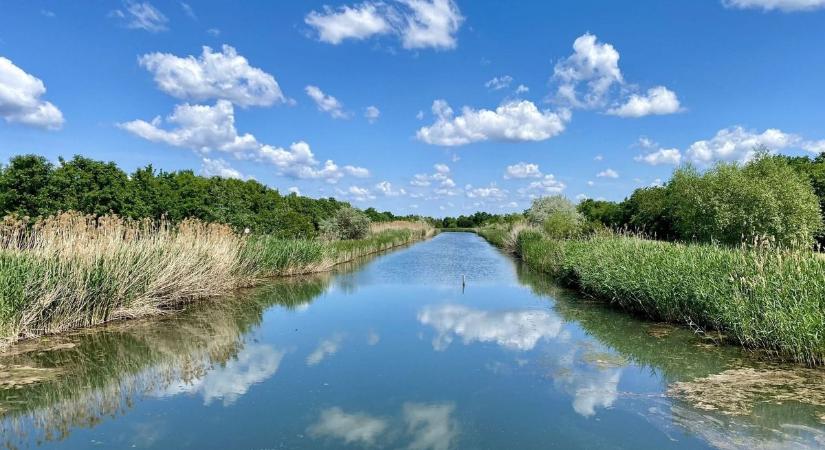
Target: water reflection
<point>513,329</point>
<point>422,426</point>
<point>327,347</point>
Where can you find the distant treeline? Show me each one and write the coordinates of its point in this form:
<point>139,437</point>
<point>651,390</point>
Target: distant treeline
<point>476,220</point>
<point>32,186</point>
<point>773,196</point>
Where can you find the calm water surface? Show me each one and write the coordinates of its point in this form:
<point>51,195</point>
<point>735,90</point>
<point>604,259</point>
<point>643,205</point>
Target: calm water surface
<point>394,353</point>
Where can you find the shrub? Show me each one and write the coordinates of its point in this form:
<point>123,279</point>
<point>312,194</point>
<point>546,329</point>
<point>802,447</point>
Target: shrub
<point>557,215</point>
<point>763,200</point>
<point>347,223</point>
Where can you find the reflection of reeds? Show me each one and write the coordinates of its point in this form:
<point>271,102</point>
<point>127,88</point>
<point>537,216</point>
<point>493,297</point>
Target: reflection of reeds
<point>71,271</point>
<point>102,372</point>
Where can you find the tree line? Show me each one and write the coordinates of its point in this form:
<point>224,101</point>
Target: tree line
<point>31,186</point>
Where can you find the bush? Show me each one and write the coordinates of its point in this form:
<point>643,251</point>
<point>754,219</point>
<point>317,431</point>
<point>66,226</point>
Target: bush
<point>557,215</point>
<point>763,200</point>
<point>347,223</point>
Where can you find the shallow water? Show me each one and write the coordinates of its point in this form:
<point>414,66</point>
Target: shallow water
<point>394,353</point>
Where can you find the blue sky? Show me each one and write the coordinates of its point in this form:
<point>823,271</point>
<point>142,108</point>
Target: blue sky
<point>421,106</point>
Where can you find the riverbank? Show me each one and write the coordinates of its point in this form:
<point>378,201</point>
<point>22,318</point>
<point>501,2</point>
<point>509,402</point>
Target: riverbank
<point>72,271</point>
<point>767,299</point>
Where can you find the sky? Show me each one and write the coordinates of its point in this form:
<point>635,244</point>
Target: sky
<point>433,107</point>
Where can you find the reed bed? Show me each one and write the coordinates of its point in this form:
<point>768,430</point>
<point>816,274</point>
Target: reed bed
<point>71,271</point>
<point>759,297</point>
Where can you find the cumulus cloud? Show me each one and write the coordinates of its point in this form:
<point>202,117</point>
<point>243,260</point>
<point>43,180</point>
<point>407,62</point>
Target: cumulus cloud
<point>220,168</point>
<point>20,99</point>
<point>213,75</point>
<point>522,89</point>
<point>385,187</point>
<point>591,78</point>
<point>499,83</point>
<point>781,5</point>
<point>548,185</point>
<point>326,103</point>
<point>662,156</point>
<point>738,144</point>
<point>489,192</point>
<point>371,113</point>
<point>358,22</point>
<point>594,66</point>
<point>607,173</point>
<point>142,16</point>
<point>516,121</point>
<point>512,329</point>
<point>658,101</point>
<point>206,128</point>
<point>522,170</point>
<point>418,23</point>
<point>349,427</point>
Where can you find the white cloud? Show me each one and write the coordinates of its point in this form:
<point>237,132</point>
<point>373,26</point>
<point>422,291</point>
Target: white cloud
<point>205,128</point>
<point>442,168</point>
<point>662,156</point>
<point>357,193</point>
<point>142,16</point>
<point>593,64</point>
<point>326,103</point>
<point>498,83</point>
<point>327,347</point>
<point>420,115</point>
<point>781,5</point>
<point>590,78</point>
<point>433,23</point>
<point>372,113</point>
<point>358,22</point>
<point>385,187</point>
<point>20,100</point>
<point>516,121</point>
<point>522,89</point>
<point>737,144</point>
<point>547,185</point>
<point>420,180</point>
<point>349,427</point>
<point>187,9</point>
<point>418,23</point>
<point>491,192</point>
<point>658,101</point>
<point>598,158</point>
<point>214,32</point>
<point>607,173</point>
<point>294,190</point>
<point>814,146</point>
<point>522,170</point>
<point>224,75</point>
<point>646,142</point>
<point>512,329</point>
<point>220,168</point>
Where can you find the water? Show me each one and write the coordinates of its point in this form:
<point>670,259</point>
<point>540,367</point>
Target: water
<point>395,353</point>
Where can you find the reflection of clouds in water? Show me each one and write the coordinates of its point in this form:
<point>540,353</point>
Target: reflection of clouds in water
<point>373,338</point>
<point>355,427</point>
<point>326,347</point>
<point>516,330</point>
<point>254,364</point>
<point>592,386</point>
<point>431,425</point>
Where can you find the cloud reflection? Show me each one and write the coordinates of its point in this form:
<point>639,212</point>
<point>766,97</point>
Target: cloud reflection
<point>326,347</point>
<point>254,364</point>
<point>513,329</point>
<point>348,427</point>
<point>431,425</point>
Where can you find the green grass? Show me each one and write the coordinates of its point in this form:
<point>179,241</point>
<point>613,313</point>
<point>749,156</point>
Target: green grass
<point>766,299</point>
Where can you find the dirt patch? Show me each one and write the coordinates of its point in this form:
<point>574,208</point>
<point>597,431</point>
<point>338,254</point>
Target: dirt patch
<point>660,330</point>
<point>738,391</point>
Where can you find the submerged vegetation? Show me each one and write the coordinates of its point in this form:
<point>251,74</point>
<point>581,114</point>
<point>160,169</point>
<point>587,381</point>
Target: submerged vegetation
<point>70,271</point>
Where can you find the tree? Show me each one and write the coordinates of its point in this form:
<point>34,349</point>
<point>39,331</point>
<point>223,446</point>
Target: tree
<point>348,223</point>
<point>24,186</point>
<point>731,203</point>
<point>557,215</point>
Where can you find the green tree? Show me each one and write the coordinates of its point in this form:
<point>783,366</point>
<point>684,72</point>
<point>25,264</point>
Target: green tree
<point>24,186</point>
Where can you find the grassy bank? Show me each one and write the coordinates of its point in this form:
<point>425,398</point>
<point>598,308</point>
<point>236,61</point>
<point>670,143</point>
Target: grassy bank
<point>761,298</point>
<point>71,271</point>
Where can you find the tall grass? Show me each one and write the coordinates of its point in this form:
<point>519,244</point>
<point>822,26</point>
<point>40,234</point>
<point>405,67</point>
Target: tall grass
<point>759,297</point>
<point>71,271</point>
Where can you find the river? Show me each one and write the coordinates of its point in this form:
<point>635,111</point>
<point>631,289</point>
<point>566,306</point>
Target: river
<point>394,352</point>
